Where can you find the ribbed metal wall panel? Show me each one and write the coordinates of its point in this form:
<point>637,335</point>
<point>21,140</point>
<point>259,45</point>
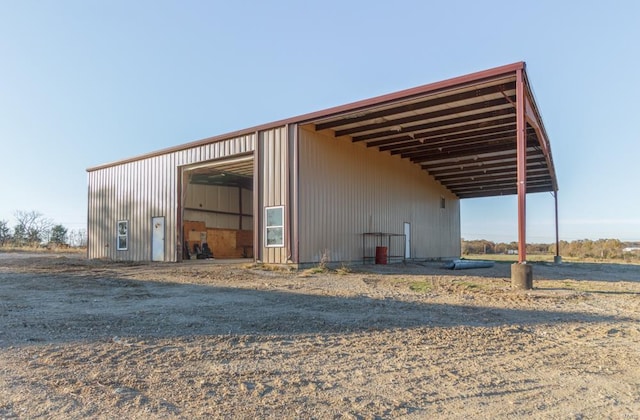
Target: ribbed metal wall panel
<point>273,185</point>
<point>139,190</point>
<point>346,189</point>
<point>201,198</point>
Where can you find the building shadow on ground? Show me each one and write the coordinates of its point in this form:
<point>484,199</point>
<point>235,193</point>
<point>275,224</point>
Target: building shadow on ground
<point>39,308</point>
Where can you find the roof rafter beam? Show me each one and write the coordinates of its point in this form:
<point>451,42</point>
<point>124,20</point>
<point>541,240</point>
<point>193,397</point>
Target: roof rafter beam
<point>502,147</point>
<point>479,173</point>
<point>482,165</point>
<point>448,162</point>
<point>442,100</point>
<point>457,129</point>
<point>454,147</point>
<point>443,123</point>
<point>459,140</point>
<point>481,180</point>
<point>511,181</point>
<point>501,192</point>
<point>494,103</point>
<point>433,141</point>
<point>507,185</point>
<point>488,158</point>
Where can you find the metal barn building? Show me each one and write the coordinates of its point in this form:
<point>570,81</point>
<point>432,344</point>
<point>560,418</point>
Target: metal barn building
<point>383,173</point>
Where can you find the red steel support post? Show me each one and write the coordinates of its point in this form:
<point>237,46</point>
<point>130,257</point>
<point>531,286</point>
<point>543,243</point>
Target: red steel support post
<point>521,140</point>
<point>555,195</point>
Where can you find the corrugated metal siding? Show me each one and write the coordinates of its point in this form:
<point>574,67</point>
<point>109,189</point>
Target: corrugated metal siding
<point>274,185</point>
<point>346,189</point>
<point>247,208</point>
<point>139,190</point>
<point>201,198</point>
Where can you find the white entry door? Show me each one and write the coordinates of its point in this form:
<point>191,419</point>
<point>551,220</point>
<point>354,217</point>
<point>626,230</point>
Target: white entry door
<point>157,240</point>
<point>407,240</point>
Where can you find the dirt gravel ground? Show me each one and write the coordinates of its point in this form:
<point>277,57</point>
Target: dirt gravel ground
<point>95,339</point>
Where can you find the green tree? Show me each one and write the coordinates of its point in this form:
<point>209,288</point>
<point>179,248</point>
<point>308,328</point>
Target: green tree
<point>58,235</point>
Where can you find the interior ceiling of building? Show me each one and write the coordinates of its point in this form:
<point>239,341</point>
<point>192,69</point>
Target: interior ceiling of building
<point>237,173</point>
<point>464,136</point>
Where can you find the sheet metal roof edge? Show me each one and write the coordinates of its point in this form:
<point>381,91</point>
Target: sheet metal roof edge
<point>350,107</point>
<point>536,110</point>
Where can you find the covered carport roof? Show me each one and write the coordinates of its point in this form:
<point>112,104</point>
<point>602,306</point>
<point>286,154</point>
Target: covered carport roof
<point>462,131</point>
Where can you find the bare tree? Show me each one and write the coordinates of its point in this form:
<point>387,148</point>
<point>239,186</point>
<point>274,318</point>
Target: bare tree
<point>78,238</point>
<point>5,232</point>
<point>32,228</point>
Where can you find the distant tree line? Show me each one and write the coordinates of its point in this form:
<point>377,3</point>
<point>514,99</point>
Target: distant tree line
<point>583,248</point>
<point>32,229</point>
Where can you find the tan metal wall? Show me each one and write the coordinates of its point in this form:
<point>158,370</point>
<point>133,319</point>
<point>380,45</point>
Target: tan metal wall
<point>139,190</point>
<point>346,189</point>
<point>201,198</point>
<point>343,189</point>
<point>273,188</point>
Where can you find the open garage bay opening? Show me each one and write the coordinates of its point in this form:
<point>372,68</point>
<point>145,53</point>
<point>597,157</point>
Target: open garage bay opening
<point>218,209</point>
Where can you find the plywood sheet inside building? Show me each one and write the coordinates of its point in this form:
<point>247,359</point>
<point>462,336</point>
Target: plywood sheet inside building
<point>230,243</point>
<point>224,243</point>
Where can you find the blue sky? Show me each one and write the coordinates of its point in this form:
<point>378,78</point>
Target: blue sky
<point>89,82</point>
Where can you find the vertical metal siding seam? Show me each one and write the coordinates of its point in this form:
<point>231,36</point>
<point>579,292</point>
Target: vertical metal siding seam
<point>284,185</point>
<point>104,218</point>
<point>94,215</point>
<point>118,203</point>
<point>120,198</point>
<point>268,180</point>
<point>99,200</point>
<point>132,199</point>
<point>109,203</point>
<point>277,182</point>
<point>112,203</point>
<point>172,230</point>
<point>130,214</point>
<point>90,214</point>
<point>140,188</point>
<point>254,199</point>
<point>294,205</point>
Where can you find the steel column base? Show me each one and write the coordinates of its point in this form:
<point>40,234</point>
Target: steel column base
<point>521,276</point>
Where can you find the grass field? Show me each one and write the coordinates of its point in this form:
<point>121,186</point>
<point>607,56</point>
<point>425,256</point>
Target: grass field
<point>545,258</point>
